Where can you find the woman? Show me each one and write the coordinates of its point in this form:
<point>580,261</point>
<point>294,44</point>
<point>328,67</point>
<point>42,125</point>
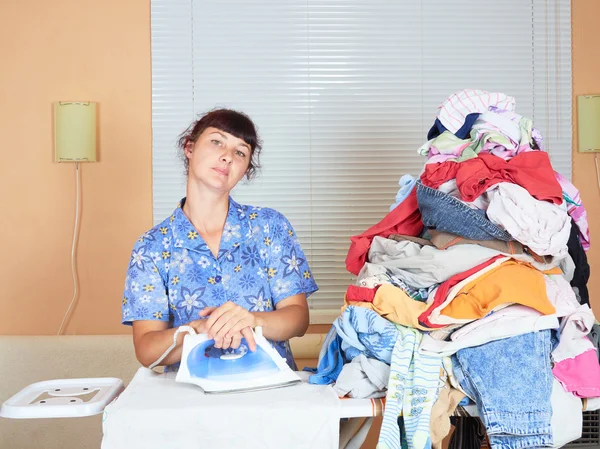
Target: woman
<point>215,265</point>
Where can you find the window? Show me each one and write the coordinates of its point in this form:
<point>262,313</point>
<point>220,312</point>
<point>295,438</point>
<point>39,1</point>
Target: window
<point>343,93</point>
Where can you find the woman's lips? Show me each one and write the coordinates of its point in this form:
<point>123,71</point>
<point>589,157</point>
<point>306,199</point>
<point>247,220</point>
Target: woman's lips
<point>221,171</point>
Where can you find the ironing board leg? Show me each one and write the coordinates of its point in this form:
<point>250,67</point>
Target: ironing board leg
<point>354,431</point>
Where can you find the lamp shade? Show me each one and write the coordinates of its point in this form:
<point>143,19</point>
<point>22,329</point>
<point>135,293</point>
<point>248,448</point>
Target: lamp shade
<point>74,131</point>
<point>588,123</point>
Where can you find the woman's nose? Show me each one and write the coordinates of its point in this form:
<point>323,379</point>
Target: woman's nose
<point>226,157</point>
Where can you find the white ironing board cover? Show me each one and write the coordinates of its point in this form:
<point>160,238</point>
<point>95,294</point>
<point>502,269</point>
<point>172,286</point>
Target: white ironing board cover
<point>156,412</point>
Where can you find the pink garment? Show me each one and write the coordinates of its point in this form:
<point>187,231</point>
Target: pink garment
<point>577,212</point>
<point>580,375</point>
<point>437,158</point>
<point>456,107</point>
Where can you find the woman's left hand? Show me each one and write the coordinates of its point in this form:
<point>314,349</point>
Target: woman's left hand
<point>228,321</point>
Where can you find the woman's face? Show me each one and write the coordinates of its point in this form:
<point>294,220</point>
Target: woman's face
<point>218,159</point>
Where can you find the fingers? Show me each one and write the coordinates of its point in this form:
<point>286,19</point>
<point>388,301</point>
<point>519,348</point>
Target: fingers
<point>222,328</point>
<point>216,313</point>
<point>243,323</point>
<point>249,336</point>
<point>236,340</point>
<point>227,325</point>
<point>226,343</point>
<point>222,343</point>
<point>226,320</point>
<point>206,311</point>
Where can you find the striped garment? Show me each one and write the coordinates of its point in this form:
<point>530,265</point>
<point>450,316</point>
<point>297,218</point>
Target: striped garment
<point>454,109</point>
<point>575,209</point>
<point>412,390</point>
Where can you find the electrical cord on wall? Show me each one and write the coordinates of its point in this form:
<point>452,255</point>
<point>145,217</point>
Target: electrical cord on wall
<point>73,254</point>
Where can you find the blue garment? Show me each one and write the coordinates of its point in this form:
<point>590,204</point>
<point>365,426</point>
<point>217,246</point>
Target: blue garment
<point>331,360</point>
<point>173,275</point>
<point>463,133</point>
<point>413,388</point>
<point>445,213</point>
<point>511,383</point>
<point>465,401</point>
<point>406,183</point>
<point>365,332</point>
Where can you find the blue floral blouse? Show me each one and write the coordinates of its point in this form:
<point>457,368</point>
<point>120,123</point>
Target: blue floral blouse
<point>173,275</point>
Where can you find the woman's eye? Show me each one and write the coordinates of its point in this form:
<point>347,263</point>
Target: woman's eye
<point>217,142</point>
<point>241,153</point>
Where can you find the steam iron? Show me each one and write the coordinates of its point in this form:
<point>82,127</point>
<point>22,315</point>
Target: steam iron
<point>218,370</point>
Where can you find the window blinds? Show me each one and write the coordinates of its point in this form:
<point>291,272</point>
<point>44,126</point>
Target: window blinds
<point>343,93</point>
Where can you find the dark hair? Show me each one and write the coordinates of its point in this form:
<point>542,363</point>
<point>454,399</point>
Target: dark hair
<point>235,123</point>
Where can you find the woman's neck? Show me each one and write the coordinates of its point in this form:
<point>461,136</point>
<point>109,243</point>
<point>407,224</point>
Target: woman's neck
<point>206,210</point>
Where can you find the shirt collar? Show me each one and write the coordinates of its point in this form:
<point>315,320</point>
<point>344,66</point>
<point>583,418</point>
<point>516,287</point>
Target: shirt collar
<point>236,230</point>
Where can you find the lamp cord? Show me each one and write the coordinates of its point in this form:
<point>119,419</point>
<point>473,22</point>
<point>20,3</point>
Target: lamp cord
<point>73,245</point>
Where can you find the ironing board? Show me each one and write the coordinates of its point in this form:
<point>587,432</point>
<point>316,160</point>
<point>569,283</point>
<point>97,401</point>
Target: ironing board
<point>112,388</point>
<point>349,407</point>
<point>66,398</point>
<point>155,412</point>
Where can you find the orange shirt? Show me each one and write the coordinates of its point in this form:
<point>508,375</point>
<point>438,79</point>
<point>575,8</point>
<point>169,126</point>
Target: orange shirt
<point>512,282</point>
<point>393,304</point>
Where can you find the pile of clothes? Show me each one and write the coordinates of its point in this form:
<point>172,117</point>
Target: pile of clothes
<point>472,288</point>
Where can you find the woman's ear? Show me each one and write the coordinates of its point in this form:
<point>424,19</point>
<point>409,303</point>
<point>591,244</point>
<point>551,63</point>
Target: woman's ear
<point>248,173</point>
<point>188,149</point>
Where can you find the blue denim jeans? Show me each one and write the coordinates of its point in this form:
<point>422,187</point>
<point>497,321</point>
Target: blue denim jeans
<point>448,214</point>
<point>511,382</point>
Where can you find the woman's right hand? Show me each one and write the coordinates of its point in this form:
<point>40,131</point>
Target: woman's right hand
<point>235,340</point>
<point>228,342</point>
<point>198,325</point>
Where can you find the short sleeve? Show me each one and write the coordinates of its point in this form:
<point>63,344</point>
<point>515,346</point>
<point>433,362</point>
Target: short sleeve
<point>145,296</point>
<point>288,270</point>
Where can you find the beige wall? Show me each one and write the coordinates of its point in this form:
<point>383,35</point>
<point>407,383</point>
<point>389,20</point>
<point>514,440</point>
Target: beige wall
<point>71,50</point>
<point>100,51</point>
<point>586,80</point>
